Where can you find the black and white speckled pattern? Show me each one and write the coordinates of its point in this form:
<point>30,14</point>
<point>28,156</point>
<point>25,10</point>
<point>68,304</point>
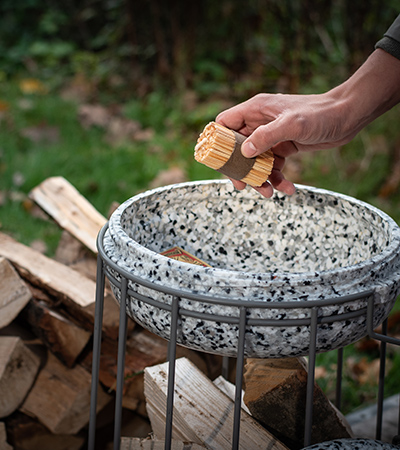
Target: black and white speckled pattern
<point>352,444</point>
<point>310,246</point>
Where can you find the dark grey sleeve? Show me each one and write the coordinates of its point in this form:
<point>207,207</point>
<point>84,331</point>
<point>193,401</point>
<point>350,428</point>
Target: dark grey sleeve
<point>391,39</point>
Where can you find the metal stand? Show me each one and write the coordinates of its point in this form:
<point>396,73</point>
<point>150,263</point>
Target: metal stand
<point>121,279</point>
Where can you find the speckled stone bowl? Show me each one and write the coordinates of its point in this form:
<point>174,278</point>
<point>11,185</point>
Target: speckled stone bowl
<point>311,246</point>
<point>352,444</point>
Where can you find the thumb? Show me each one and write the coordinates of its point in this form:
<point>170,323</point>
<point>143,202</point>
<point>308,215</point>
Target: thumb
<point>265,137</point>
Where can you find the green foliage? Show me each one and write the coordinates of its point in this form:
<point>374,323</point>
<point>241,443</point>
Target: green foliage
<point>183,44</point>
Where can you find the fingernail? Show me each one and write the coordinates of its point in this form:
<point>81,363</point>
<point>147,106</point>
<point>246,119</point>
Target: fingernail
<point>249,150</point>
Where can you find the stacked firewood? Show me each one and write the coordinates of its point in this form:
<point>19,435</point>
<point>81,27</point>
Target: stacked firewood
<point>46,326</point>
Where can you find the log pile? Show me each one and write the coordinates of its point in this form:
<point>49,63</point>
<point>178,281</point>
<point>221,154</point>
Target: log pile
<point>46,326</point>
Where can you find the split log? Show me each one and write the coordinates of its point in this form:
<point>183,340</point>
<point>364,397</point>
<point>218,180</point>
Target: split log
<point>154,444</point>
<point>26,433</point>
<point>60,397</point>
<point>63,337</point>
<point>69,209</point>
<point>72,253</point>
<point>229,389</point>
<point>72,288</point>
<point>59,280</point>
<point>135,425</point>
<point>18,369</point>
<point>69,249</point>
<point>14,293</point>
<point>4,445</point>
<point>143,349</point>
<point>275,393</point>
<point>202,413</point>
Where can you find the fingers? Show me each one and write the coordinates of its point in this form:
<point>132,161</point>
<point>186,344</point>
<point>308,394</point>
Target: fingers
<point>280,183</point>
<point>266,190</point>
<point>265,137</point>
<point>275,181</point>
<point>239,185</point>
<point>232,118</point>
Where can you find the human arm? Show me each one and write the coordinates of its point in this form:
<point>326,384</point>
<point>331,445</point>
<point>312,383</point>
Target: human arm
<point>292,123</point>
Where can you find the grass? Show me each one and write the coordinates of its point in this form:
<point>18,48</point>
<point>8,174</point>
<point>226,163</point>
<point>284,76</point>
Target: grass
<point>105,173</point>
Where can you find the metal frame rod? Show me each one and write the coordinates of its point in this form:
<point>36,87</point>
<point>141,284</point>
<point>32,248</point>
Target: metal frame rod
<point>98,325</point>
<point>239,378</point>
<point>120,364</point>
<point>339,375</point>
<point>311,378</point>
<point>381,384</point>
<point>171,371</point>
<point>118,277</point>
<point>370,326</point>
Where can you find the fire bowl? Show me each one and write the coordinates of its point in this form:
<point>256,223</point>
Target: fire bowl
<point>278,259</point>
<point>353,444</point>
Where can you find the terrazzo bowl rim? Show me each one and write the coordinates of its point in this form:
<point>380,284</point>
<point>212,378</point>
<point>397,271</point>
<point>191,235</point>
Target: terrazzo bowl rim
<point>125,241</point>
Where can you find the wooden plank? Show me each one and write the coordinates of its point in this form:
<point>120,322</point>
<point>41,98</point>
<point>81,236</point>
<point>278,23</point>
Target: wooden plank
<point>275,393</point>
<point>60,397</point>
<point>18,369</point>
<point>14,293</point>
<point>155,444</point>
<point>69,209</point>
<point>202,413</point>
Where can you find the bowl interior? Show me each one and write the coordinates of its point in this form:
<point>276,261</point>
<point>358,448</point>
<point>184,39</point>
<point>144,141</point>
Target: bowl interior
<point>240,230</point>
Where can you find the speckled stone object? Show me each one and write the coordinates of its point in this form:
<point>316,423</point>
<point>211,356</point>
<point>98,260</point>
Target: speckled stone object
<point>352,444</point>
<point>310,246</point>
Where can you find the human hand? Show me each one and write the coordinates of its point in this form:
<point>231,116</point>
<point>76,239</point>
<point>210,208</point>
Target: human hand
<point>291,123</point>
<point>287,124</point>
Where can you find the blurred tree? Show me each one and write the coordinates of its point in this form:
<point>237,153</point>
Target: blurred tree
<point>182,44</point>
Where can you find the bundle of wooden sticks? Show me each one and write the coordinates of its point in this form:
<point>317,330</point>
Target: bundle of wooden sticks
<point>218,147</point>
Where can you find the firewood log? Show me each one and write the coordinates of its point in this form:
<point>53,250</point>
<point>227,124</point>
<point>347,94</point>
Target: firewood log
<point>69,209</point>
<point>4,445</point>
<point>18,368</point>
<point>26,433</point>
<point>202,413</point>
<point>60,397</point>
<point>143,349</point>
<point>154,444</point>
<point>74,290</point>
<point>275,393</point>
<point>14,293</point>
<point>62,336</point>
